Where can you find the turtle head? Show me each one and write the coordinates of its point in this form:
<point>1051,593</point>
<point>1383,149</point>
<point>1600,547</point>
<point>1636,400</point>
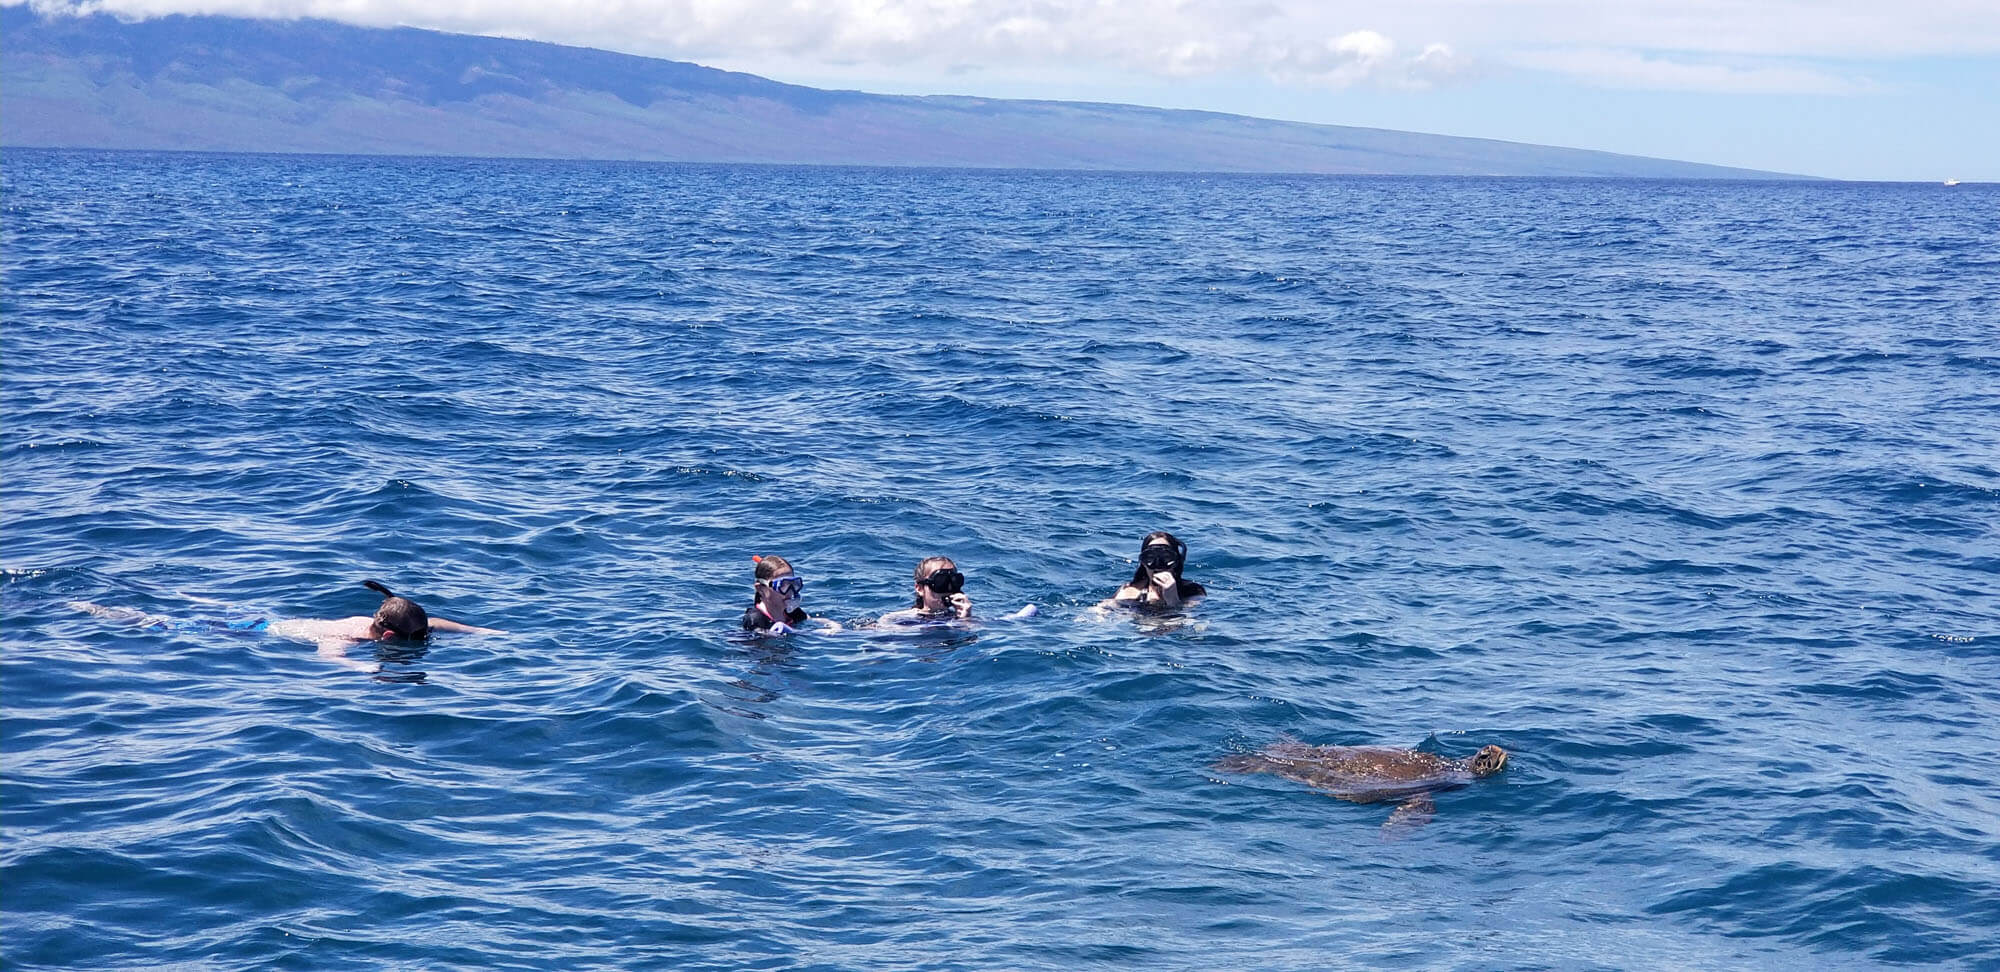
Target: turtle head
<point>1488,761</point>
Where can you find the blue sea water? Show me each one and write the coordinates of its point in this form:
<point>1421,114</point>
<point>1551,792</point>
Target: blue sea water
<point>1685,493</point>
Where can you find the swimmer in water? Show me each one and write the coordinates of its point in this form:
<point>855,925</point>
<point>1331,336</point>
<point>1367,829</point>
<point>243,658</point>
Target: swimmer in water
<point>940,595</point>
<point>1157,584</point>
<point>399,618</point>
<point>776,609</point>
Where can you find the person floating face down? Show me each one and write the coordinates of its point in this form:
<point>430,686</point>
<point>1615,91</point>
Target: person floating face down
<point>776,609</point>
<point>397,619</point>
<point>940,595</point>
<point>1158,583</point>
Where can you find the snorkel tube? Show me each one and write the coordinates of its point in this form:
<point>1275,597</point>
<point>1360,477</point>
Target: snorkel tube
<point>398,616</point>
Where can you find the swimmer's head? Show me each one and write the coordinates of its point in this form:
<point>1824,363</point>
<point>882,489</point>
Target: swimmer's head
<point>775,576</point>
<point>398,617</point>
<point>771,565</point>
<point>1488,761</point>
<point>1159,553</point>
<point>938,576</point>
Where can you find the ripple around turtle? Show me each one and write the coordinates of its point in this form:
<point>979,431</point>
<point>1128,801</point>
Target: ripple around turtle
<point>1648,483</point>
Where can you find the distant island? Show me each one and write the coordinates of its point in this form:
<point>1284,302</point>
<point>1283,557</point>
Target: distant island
<point>309,86</point>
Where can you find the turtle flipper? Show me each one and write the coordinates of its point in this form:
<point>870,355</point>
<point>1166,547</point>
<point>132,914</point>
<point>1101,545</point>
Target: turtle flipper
<point>1408,816</point>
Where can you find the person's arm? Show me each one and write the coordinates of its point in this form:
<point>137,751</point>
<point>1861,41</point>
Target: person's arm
<point>335,651</point>
<point>446,624</point>
<point>829,625</point>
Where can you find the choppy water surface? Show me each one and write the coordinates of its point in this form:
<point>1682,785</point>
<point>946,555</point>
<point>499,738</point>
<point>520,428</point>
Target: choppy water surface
<point>1686,494</point>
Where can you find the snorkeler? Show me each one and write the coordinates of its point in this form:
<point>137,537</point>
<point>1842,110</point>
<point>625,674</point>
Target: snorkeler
<point>397,618</point>
<point>776,609</point>
<point>940,595</point>
<point>1157,584</point>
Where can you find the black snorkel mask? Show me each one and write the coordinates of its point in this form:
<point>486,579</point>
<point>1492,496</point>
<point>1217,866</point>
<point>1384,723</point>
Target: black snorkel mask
<point>945,581</point>
<point>1163,557</point>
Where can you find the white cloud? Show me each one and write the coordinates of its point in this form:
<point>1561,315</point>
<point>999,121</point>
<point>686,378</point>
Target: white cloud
<point>1632,69</point>
<point>1164,38</point>
<point>1362,56</point>
<point>1438,63</point>
<point>1709,45</point>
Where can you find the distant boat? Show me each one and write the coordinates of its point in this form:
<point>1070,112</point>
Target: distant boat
<point>1951,182</point>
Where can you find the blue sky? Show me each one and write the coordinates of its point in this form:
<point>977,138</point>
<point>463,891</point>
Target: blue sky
<point>1842,88</point>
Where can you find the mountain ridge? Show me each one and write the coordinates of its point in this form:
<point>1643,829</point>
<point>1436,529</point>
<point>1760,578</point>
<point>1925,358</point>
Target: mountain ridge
<point>207,83</point>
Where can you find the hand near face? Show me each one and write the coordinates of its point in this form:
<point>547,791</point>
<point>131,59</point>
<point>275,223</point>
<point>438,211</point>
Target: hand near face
<point>775,604</point>
<point>960,605</point>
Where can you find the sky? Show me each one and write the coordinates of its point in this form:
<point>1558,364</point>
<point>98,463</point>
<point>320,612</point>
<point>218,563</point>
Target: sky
<point>1850,89</point>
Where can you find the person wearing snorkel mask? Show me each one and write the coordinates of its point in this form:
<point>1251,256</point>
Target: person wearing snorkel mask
<point>397,619</point>
<point>940,595</point>
<point>1157,584</point>
<point>776,609</point>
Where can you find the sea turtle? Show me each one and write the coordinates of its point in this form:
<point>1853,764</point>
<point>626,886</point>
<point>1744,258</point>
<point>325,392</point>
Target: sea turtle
<point>1371,774</point>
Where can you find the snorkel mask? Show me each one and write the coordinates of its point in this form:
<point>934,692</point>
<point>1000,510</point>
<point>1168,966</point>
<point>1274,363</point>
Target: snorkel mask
<point>945,581</point>
<point>788,587</point>
<point>1161,557</point>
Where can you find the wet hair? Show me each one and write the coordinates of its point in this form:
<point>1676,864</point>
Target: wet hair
<point>400,615</point>
<point>1488,761</point>
<point>1160,536</point>
<point>924,568</point>
<point>768,566</point>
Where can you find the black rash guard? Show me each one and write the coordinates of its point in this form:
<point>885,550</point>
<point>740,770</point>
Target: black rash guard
<point>754,619</point>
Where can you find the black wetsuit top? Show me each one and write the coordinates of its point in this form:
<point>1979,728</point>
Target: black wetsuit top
<point>1185,588</point>
<point>754,620</point>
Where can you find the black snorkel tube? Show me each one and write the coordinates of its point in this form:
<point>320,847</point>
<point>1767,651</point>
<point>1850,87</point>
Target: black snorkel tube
<point>397,613</point>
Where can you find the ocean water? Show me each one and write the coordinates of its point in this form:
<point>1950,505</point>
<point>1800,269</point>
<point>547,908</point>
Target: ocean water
<point>1686,494</point>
